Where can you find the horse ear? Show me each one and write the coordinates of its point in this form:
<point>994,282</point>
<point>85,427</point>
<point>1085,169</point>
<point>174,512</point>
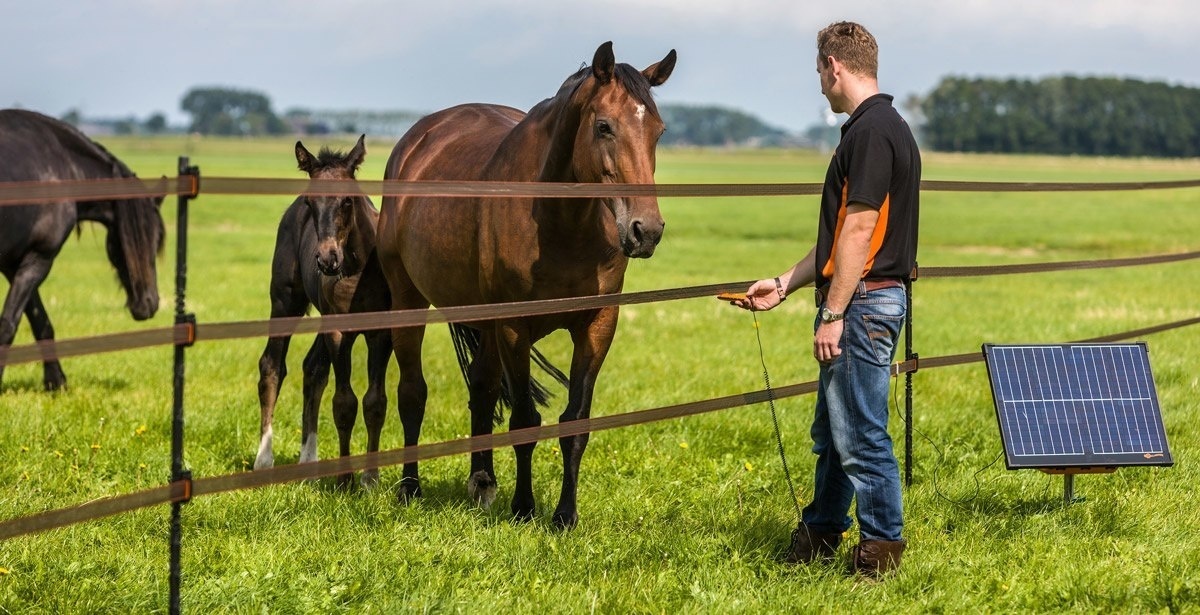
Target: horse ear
<point>603,63</point>
<point>658,73</point>
<point>304,158</point>
<point>356,155</point>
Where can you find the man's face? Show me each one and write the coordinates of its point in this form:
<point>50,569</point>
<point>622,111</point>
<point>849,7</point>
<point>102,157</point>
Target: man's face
<point>825,72</point>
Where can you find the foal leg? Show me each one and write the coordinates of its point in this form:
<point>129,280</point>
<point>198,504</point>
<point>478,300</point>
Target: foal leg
<point>345,402</point>
<point>374,403</point>
<point>316,377</point>
<point>287,299</point>
<point>52,374</point>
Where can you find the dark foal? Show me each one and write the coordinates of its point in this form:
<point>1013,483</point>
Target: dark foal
<point>325,257</point>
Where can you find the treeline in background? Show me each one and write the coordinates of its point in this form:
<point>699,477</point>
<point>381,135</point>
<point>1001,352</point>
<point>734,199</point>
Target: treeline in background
<point>1062,115</point>
<point>1059,115</point>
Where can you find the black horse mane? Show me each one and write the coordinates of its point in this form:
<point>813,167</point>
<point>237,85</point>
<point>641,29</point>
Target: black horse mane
<point>329,157</point>
<point>74,139</point>
<point>629,77</point>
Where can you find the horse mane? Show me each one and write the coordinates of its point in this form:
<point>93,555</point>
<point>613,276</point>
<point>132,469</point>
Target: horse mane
<point>135,219</point>
<point>328,157</point>
<point>71,137</point>
<point>629,77</point>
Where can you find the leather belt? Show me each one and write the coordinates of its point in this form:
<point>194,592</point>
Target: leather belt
<point>864,286</point>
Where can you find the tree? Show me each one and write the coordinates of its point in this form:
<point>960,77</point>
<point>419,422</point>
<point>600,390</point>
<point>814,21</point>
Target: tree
<point>225,111</point>
<point>156,123</point>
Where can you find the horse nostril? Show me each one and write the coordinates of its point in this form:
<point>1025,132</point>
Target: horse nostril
<point>636,230</point>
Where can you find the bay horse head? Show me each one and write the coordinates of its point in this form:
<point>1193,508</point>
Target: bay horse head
<point>135,239</point>
<point>332,215</point>
<point>615,140</point>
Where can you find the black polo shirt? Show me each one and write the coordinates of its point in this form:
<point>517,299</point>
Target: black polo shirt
<point>876,164</point>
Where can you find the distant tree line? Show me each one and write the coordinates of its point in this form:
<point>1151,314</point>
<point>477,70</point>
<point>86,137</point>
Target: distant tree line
<point>1062,115</point>
<point>227,111</point>
<point>716,126</point>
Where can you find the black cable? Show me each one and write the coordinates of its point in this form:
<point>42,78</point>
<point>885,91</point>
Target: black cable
<point>787,474</point>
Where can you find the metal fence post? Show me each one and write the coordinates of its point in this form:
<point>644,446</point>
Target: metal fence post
<point>182,317</point>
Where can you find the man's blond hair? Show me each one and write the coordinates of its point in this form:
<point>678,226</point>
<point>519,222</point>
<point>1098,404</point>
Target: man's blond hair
<point>852,45</point>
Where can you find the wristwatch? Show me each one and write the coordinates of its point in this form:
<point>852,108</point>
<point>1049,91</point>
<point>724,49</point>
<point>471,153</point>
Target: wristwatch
<point>828,316</point>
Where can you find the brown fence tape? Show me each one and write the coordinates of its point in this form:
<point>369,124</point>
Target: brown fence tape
<point>283,474</point>
<point>12,193</point>
<point>44,351</point>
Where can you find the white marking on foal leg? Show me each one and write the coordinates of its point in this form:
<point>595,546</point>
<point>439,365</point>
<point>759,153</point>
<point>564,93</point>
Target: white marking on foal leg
<point>308,449</point>
<point>266,456</point>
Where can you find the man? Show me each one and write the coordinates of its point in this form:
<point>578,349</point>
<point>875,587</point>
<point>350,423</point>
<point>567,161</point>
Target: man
<point>865,251</point>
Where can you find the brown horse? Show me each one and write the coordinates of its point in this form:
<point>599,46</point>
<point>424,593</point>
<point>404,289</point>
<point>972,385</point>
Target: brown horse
<point>601,127</point>
<point>325,257</point>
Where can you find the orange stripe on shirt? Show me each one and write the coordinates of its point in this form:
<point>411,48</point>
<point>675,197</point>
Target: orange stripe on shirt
<point>877,234</point>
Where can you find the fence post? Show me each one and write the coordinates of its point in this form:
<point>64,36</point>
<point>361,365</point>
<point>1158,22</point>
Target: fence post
<point>178,474</point>
<point>909,355</point>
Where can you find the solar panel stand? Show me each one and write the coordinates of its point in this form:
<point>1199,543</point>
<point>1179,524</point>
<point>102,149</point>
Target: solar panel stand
<point>1069,479</point>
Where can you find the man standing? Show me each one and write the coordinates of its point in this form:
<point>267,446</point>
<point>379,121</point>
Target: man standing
<point>866,250</point>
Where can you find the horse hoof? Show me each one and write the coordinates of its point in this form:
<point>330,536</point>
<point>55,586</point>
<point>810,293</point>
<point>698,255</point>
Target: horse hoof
<point>262,462</point>
<point>345,482</point>
<point>523,514</point>
<point>409,490</point>
<point>482,488</point>
<point>565,521</point>
<point>369,479</point>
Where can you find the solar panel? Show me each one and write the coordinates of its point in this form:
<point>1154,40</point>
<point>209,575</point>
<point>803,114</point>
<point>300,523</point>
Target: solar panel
<point>1076,405</point>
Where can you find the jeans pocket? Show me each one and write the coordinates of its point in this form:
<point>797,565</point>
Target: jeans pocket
<point>882,331</point>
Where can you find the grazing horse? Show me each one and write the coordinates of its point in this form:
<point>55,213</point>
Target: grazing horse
<point>601,127</point>
<point>37,148</point>
<point>325,257</point>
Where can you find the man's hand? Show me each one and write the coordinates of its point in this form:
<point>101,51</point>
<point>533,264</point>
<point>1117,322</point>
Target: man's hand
<point>827,341</point>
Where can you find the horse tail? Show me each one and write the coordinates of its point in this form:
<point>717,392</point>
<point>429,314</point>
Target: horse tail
<point>466,346</point>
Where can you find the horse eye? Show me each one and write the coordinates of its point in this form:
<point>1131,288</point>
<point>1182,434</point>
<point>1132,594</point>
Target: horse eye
<point>603,128</point>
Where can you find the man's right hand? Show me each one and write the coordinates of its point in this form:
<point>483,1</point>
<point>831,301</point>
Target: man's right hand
<point>761,296</point>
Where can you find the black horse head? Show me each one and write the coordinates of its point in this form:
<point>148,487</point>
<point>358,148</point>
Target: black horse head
<point>332,215</point>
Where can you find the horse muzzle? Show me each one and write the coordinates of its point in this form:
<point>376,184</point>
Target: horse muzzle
<point>641,238</point>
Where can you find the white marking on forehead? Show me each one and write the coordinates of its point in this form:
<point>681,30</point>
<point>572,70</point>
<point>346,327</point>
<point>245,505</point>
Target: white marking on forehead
<point>641,112</point>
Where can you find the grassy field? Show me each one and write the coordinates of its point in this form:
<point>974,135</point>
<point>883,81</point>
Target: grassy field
<point>689,515</point>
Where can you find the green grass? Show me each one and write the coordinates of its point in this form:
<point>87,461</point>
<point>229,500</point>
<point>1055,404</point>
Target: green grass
<point>685,515</point>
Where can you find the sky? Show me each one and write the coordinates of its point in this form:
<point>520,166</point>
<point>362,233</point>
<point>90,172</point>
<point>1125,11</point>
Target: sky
<point>117,58</point>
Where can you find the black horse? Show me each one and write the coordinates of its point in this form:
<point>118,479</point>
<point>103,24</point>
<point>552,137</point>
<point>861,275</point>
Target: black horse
<point>325,256</point>
<point>34,147</point>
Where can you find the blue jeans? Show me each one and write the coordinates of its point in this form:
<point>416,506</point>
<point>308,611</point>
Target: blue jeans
<point>850,428</point>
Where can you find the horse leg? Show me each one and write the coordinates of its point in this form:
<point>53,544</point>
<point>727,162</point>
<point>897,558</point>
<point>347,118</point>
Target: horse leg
<point>411,394</point>
<point>287,299</point>
<point>23,284</point>
<point>514,348</point>
<point>345,402</point>
<point>316,377</point>
<point>591,346</point>
<point>52,374</point>
<point>374,403</point>
<point>483,382</point>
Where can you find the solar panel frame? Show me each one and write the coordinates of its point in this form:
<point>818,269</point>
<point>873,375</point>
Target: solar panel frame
<point>1087,405</point>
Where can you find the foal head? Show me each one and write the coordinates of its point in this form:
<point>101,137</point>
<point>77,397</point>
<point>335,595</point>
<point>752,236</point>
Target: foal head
<point>333,215</point>
<point>618,131</point>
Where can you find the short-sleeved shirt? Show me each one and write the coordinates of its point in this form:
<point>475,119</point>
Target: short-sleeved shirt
<point>876,164</point>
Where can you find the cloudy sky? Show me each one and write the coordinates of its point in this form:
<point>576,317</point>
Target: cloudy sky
<point>115,58</point>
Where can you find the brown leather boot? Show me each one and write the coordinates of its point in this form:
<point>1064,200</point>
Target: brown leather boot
<point>875,558</point>
<point>808,546</point>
